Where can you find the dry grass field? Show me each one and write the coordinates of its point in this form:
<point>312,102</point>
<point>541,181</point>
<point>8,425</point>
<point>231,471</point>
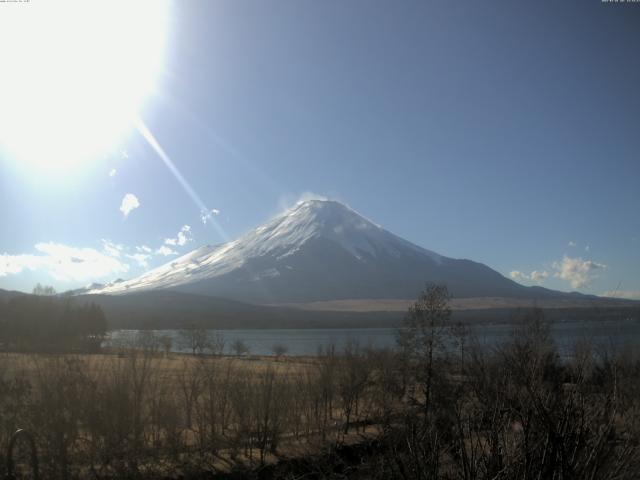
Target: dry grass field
<point>472,303</point>
<point>140,412</point>
<point>167,367</point>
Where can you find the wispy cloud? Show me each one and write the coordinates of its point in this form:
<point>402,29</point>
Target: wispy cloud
<point>287,202</point>
<point>535,276</point>
<point>129,203</point>
<point>518,275</point>
<point>166,251</point>
<point>67,263</point>
<point>538,277</point>
<point>207,215</point>
<point>63,263</point>
<point>306,196</point>
<point>576,271</point>
<point>182,238</point>
<point>112,249</point>
<point>112,172</point>
<point>141,259</point>
<point>572,243</point>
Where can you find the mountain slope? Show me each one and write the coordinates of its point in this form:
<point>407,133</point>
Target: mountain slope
<point>321,250</point>
<point>9,294</point>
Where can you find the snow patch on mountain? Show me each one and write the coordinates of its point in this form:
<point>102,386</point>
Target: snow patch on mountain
<point>278,239</point>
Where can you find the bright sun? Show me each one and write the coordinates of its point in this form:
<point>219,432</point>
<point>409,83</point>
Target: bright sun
<point>74,73</point>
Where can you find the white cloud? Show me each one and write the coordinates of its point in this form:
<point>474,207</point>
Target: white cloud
<point>66,263</point>
<point>587,248</point>
<point>182,238</point>
<point>112,172</point>
<point>535,276</point>
<point>518,275</point>
<point>141,259</point>
<point>306,196</point>
<point>539,277</point>
<point>184,235</point>
<point>166,251</point>
<point>63,263</point>
<point>206,216</point>
<point>572,243</point>
<point>576,271</point>
<point>129,203</point>
<point>630,294</point>
<point>287,202</point>
<point>124,154</point>
<point>112,249</point>
<point>13,264</point>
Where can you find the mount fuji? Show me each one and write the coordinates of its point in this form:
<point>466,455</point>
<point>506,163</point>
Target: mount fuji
<point>317,251</point>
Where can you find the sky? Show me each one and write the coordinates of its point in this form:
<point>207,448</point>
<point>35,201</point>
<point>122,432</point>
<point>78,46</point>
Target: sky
<point>503,132</point>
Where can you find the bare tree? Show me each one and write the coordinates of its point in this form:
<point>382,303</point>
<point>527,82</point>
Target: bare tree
<point>279,349</point>
<point>167,342</point>
<point>216,344</point>
<point>44,290</point>
<point>194,338</point>
<point>422,336</point>
<point>147,341</point>
<point>239,347</point>
<point>353,374</point>
<point>270,400</point>
<point>460,333</point>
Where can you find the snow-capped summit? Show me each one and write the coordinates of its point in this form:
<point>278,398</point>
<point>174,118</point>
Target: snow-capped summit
<point>329,220</point>
<point>318,250</point>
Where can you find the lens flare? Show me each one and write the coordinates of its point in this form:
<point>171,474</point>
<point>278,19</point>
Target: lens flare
<point>74,76</point>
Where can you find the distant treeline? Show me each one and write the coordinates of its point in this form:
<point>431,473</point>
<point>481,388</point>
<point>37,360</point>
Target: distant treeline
<point>49,323</point>
<point>173,310</point>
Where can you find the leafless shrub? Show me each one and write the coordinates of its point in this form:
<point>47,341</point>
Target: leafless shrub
<point>239,347</point>
<point>194,338</point>
<point>353,375</point>
<point>279,349</point>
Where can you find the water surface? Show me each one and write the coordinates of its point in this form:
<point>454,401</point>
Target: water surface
<point>607,334</point>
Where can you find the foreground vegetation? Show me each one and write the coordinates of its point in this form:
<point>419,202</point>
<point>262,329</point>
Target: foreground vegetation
<point>423,411</point>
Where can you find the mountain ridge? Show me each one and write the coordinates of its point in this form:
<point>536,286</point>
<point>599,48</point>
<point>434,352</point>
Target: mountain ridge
<point>322,250</point>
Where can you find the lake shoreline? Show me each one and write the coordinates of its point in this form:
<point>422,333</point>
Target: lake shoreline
<point>308,341</point>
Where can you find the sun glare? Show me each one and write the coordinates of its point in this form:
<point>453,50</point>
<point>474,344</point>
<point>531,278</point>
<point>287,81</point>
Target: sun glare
<point>74,75</point>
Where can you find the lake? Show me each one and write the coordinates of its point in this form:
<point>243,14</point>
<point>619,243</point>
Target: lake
<point>616,334</point>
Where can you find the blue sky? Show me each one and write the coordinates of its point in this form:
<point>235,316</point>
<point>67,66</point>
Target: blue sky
<point>504,132</point>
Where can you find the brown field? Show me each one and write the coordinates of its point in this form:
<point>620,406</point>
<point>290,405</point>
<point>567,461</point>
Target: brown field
<point>479,303</point>
<point>167,367</point>
<point>145,412</point>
